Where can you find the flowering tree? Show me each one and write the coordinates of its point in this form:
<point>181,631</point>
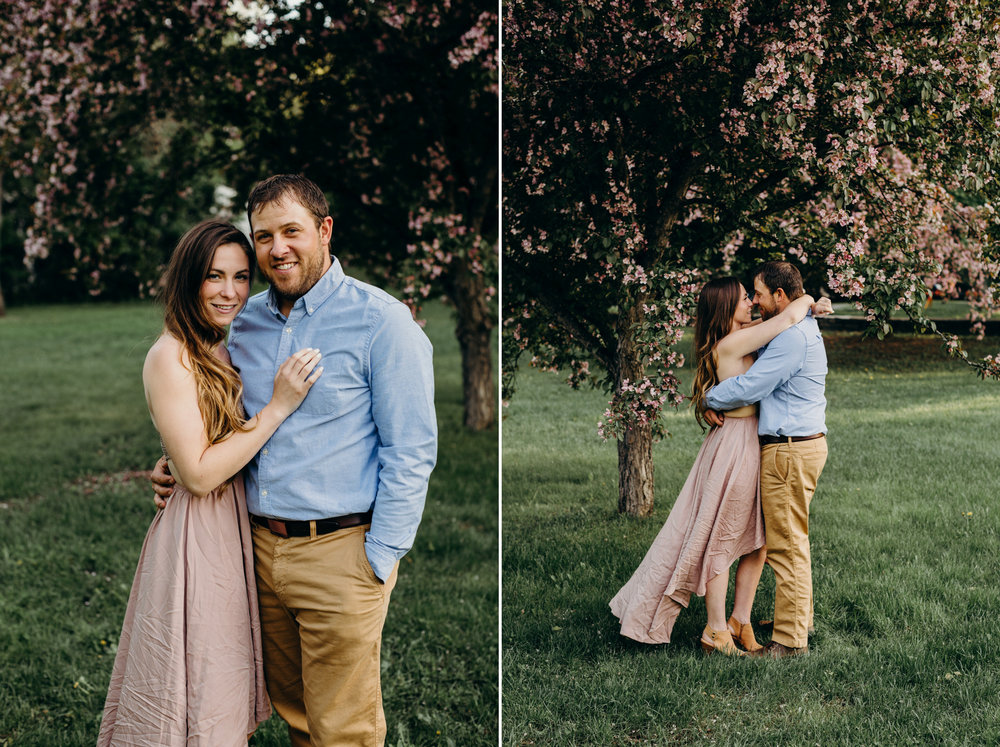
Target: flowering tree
<point>86,96</point>
<point>116,116</point>
<point>393,107</point>
<point>647,144</point>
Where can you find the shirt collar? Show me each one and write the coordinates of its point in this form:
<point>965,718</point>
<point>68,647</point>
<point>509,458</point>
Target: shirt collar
<point>315,296</point>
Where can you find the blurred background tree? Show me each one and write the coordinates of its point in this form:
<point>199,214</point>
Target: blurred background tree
<point>119,122</point>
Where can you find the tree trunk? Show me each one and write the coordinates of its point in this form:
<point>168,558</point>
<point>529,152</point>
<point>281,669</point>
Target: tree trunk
<point>473,329</point>
<point>3,306</point>
<point>635,450</point>
<point>635,472</point>
<point>477,379</point>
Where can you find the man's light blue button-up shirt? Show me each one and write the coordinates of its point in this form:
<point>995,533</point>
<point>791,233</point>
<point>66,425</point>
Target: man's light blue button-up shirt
<point>787,379</point>
<point>365,437</point>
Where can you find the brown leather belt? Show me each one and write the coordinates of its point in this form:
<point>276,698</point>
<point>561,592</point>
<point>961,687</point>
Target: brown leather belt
<point>304,528</point>
<point>765,440</point>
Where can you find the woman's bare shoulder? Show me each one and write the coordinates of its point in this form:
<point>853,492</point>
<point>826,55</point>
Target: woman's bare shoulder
<point>729,349</point>
<point>729,364</point>
<point>167,356</point>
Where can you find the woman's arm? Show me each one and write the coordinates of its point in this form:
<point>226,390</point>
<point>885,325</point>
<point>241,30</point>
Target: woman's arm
<point>747,340</point>
<point>172,396</point>
<point>822,307</point>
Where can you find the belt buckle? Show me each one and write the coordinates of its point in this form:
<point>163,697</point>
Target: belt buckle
<point>277,527</point>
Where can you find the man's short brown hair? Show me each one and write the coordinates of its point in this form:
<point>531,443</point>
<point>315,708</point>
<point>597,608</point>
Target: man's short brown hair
<point>782,275</point>
<point>276,188</point>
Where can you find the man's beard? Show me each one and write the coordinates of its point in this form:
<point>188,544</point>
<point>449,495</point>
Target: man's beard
<point>294,294</point>
<point>312,272</point>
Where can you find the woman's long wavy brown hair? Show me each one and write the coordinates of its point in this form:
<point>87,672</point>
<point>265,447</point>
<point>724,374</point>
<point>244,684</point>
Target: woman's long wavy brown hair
<point>713,321</point>
<point>220,391</point>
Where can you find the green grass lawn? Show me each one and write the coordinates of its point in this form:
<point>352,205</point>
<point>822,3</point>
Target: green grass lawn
<point>74,431</point>
<point>905,534</point>
<point>941,308</point>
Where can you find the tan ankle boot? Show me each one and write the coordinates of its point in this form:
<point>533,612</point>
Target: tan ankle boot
<point>721,641</point>
<point>743,635</point>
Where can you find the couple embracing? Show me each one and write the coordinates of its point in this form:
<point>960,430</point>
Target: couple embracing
<point>747,496</point>
<point>283,570</point>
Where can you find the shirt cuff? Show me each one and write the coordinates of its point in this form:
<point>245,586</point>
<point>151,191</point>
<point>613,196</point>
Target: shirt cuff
<point>381,560</point>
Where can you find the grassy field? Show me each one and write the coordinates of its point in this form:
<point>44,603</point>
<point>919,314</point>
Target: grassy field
<point>74,507</point>
<point>904,529</point>
<point>942,308</point>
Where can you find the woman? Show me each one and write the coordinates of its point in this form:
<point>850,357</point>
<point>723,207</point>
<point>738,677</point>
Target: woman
<point>717,516</point>
<point>188,668</point>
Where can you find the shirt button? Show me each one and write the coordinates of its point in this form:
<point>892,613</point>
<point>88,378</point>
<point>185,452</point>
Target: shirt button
<point>264,452</point>
<point>310,309</point>
<point>263,492</point>
<point>288,330</point>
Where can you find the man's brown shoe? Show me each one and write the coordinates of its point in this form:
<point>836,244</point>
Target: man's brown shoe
<point>775,650</point>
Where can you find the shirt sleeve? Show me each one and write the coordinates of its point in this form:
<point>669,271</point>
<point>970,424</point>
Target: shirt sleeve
<point>783,356</point>
<point>401,377</point>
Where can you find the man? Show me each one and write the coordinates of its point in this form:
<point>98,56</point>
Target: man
<point>335,496</point>
<point>788,380</point>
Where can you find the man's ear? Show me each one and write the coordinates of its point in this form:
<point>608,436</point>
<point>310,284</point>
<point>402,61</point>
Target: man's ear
<point>326,230</point>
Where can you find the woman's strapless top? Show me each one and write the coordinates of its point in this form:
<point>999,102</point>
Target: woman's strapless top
<point>742,412</point>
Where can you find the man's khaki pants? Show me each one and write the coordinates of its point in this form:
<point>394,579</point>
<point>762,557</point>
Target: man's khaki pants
<point>788,475</point>
<point>321,613</point>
